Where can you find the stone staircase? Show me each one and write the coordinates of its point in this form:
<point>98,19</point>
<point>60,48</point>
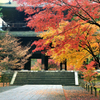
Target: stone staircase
<point>44,77</point>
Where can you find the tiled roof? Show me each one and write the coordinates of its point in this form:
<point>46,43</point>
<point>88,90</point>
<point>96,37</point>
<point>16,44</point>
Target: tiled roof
<point>23,33</point>
<point>13,4</point>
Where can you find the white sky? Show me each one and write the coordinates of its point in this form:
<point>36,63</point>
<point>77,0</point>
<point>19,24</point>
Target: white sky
<point>4,1</point>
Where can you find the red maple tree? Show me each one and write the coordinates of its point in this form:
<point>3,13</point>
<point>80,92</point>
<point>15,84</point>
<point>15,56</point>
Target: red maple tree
<point>43,14</point>
<point>89,73</point>
<point>48,13</point>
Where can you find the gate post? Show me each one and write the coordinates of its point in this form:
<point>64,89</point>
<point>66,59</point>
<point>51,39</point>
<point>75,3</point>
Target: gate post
<point>45,61</point>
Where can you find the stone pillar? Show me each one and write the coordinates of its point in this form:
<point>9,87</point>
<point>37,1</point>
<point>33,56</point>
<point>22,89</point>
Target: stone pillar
<point>27,66</point>
<point>60,66</point>
<point>45,61</point>
<point>66,64</point>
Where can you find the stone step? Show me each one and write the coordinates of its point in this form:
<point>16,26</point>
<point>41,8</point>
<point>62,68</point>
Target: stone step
<point>63,78</point>
<point>64,84</point>
<point>51,77</point>
<point>45,82</point>
<point>36,80</point>
<point>46,74</point>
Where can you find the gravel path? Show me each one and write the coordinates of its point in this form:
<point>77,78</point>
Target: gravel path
<point>34,92</point>
<point>2,89</point>
<point>77,93</point>
<point>70,92</point>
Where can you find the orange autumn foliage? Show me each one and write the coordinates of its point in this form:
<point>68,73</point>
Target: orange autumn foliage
<point>89,73</point>
<point>74,45</point>
<point>75,35</point>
